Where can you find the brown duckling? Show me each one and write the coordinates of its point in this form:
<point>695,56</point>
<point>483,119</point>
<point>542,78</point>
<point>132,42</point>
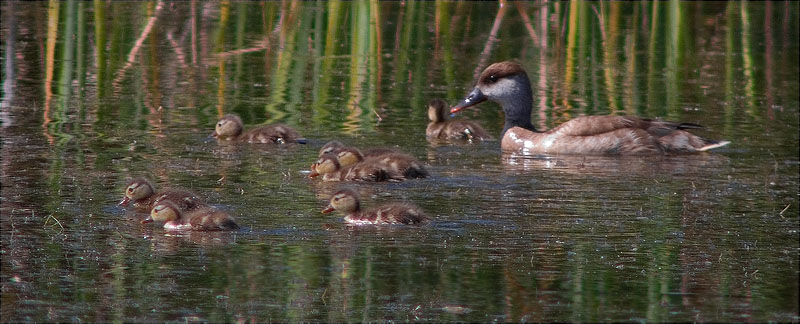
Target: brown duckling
<point>346,202</point>
<point>398,162</point>
<point>231,128</point>
<point>336,146</point>
<point>206,218</point>
<point>143,195</point>
<point>441,128</point>
<point>507,84</point>
<point>331,170</point>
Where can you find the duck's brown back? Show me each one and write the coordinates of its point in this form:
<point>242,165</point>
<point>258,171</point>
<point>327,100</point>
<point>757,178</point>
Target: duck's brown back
<point>210,219</point>
<point>271,134</point>
<point>184,200</point>
<point>464,130</point>
<point>366,171</point>
<point>392,213</point>
<point>401,163</point>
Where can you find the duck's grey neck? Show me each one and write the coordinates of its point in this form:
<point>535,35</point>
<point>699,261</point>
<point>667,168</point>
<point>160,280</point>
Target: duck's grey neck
<point>517,107</point>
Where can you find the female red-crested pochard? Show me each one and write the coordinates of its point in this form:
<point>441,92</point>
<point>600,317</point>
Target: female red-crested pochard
<point>454,129</point>
<point>206,218</point>
<point>507,84</point>
<point>142,195</point>
<point>231,128</point>
<point>346,202</point>
<point>331,170</point>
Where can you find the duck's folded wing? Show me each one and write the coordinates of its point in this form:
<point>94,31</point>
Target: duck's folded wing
<point>596,125</point>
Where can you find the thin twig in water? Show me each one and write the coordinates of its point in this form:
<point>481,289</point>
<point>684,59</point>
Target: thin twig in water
<point>784,210</point>
<point>55,219</point>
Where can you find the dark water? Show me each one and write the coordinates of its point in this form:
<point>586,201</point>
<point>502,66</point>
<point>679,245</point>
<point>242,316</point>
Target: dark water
<point>93,97</point>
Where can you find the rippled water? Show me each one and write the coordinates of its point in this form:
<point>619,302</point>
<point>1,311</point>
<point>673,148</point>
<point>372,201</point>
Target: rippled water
<point>709,237</point>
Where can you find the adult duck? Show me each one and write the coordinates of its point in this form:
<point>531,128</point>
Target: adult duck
<point>507,84</point>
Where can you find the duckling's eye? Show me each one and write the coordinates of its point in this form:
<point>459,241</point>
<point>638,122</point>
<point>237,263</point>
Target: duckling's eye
<point>492,78</point>
<point>220,124</point>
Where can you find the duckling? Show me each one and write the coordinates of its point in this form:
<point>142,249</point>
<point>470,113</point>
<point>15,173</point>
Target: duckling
<point>336,146</point>
<point>398,162</point>
<point>143,195</point>
<point>346,202</point>
<point>206,218</point>
<point>230,128</point>
<point>507,84</point>
<point>441,128</point>
<point>328,166</point>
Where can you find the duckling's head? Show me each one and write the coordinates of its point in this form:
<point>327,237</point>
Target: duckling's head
<point>345,201</point>
<point>138,188</point>
<point>436,110</point>
<point>330,147</point>
<point>327,163</point>
<point>164,211</point>
<point>348,156</point>
<point>228,127</point>
<point>505,83</point>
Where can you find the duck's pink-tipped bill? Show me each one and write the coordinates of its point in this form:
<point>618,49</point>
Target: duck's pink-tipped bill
<point>124,202</point>
<point>214,134</point>
<point>473,98</point>
<point>328,209</point>
<point>147,220</point>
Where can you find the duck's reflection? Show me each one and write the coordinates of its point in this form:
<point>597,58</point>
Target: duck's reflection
<point>614,165</point>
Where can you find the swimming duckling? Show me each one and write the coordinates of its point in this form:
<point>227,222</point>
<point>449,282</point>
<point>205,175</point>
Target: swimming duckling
<point>143,195</point>
<point>230,128</point>
<point>346,202</point>
<point>507,84</point>
<point>331,170</point>
<point>336,146</point>
<point>206,218</point>
<point>441,128</point>
<point>398,162</point>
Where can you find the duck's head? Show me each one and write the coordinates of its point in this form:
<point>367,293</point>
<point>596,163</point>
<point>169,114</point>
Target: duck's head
<point>164,211</point>
<point>348,156</point>
<point>507,84</point>
<point>331,147</point>
<point>229,126</point>
<point>138,188</point>
<point>327,163</point>
<point>345,200</point>
<point>436,110</point>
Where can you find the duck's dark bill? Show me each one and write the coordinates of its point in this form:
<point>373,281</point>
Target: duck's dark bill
<point>475,97</point>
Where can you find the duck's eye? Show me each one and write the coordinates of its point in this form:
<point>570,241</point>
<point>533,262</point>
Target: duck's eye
<point>492,78</point>
<point>130,189</point>
<point>219,124</point>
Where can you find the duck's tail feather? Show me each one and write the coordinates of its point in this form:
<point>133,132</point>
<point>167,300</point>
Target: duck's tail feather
<point>712,145</point>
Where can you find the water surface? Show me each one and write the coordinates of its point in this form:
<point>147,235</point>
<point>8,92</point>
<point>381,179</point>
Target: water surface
<point>104,92</point>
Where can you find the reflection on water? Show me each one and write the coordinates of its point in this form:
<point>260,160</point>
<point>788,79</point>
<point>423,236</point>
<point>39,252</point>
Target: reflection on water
<point>107,92</point>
